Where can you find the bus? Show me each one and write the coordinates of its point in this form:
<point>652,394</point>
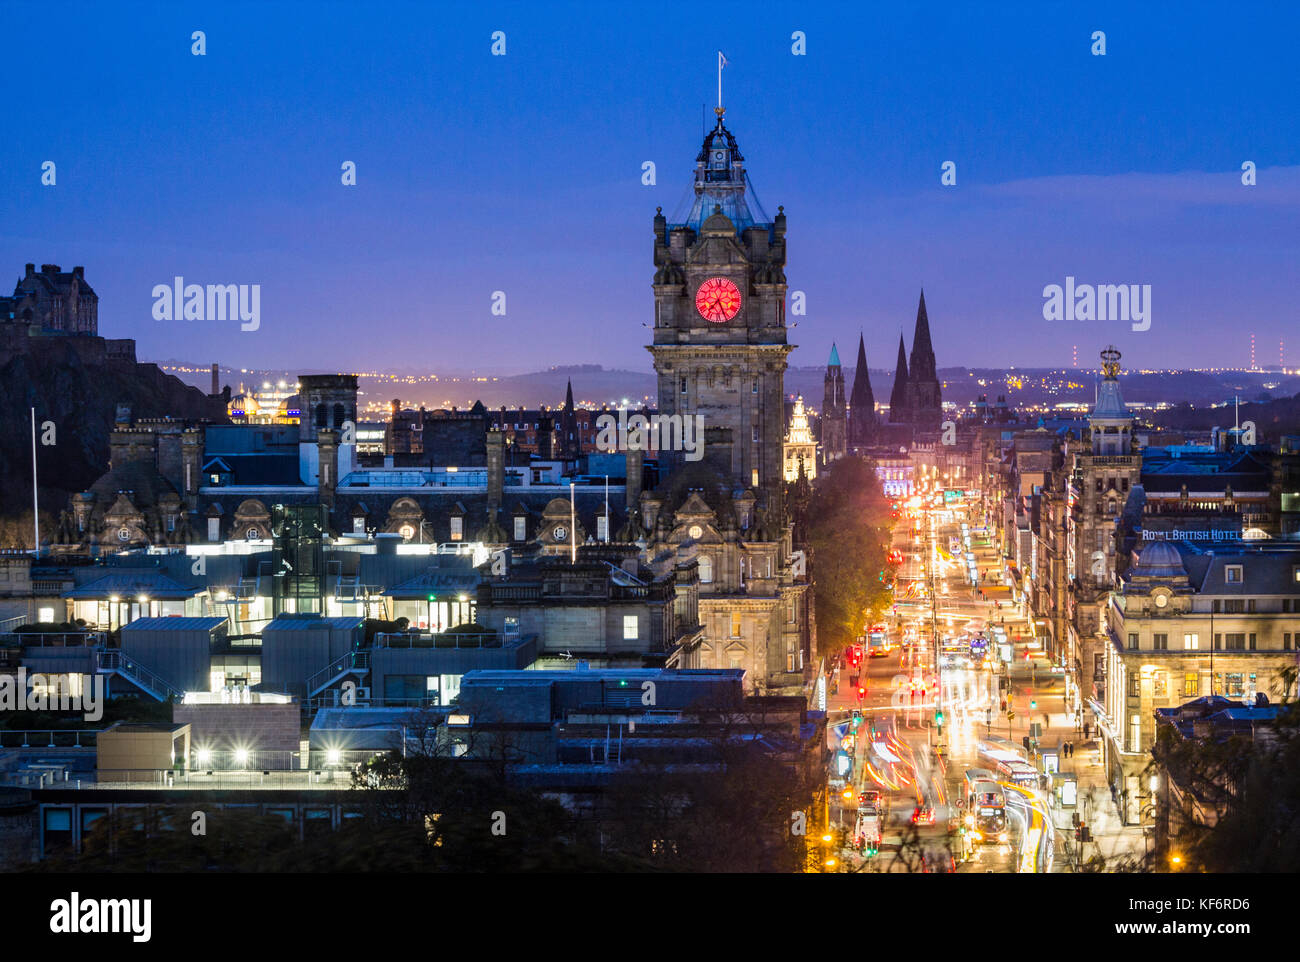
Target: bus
<point>878,644</point>
<point>986,806</point>
<point>979,650</point>
<point>954,653</point>
<point>1019,773</point>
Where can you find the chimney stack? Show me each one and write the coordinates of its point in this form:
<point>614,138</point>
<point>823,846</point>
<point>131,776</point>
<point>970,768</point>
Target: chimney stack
<point>216,375</point>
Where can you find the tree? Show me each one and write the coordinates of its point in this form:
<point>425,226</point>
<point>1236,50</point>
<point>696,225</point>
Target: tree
<point>849,530</point>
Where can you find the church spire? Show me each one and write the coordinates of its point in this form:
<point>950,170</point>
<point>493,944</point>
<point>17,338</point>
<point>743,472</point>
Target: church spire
<point>835,356</point>
<point>568,396</point>
<point>862,405</point>
<point>922,366</point>
<point>898,399</point>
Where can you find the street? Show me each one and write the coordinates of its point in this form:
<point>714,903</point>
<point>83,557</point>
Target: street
<point>932,710</point>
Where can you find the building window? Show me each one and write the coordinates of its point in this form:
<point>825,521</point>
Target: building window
<point>631,630</point>
<point>1160,643</point>
<point>706,569</point>
<point>1191,684</point>
<point>1234,606</point>
<point>1160,685</point>
<point>1252,641</point>
<point>1236,684</point>
<point>683,385</point>
<point>57,830</point>
<point>753,478</point>
<point>45,616</point>
<point>520,528</point>
<point>214,529</point>
<point>754,390</point>
<point>1191,642</point>
<point>1232,574</point>
<point>1134,686</point>
<point>1286,606</point>
<point>735,625</point>
<point>1132,641</point>
<point>457,528</point>
<point>1286,641</point>
<point>1135,733</point>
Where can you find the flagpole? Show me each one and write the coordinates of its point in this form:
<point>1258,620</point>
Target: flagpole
<point>720,62</point>
<point>36,504</point>
<point>607,509</point>
<point>573,526</point>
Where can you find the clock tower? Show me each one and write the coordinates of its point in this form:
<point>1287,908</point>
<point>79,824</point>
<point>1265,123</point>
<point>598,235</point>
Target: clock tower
<point>719,330</point>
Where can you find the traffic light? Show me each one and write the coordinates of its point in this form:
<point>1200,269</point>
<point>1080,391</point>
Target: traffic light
<point>862,693</point>
<point>857,719</point>
<point>1025,741</point>
<point>938,717</point>
<point>1033,704</point>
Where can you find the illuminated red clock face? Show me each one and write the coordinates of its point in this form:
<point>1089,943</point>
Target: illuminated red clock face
<point>717,300</point>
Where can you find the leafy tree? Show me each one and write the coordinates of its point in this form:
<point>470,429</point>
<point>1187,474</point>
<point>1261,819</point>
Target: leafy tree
<point>849,530</point>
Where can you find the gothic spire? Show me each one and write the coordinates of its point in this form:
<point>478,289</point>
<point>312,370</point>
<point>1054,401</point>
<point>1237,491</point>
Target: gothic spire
<point>898,399</point>
<point>922,366</point>
<point>835,356</point>
<point>568,396</point>
<point>862,405</point>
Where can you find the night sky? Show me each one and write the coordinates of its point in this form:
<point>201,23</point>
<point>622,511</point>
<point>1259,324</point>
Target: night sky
<point>522,173</point>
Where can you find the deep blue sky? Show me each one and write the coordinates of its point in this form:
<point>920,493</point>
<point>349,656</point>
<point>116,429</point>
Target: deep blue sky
<point>522,173</point>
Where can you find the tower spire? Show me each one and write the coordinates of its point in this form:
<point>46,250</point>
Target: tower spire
<point>898,397</point>
<point>922,366</point>
<point>862,405</point>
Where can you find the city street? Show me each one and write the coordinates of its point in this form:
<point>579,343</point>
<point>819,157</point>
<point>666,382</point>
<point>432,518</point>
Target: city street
<point>931,712</point>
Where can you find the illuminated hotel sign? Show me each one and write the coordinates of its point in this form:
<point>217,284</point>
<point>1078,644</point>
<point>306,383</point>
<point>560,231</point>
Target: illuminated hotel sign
<point>1190,529</point>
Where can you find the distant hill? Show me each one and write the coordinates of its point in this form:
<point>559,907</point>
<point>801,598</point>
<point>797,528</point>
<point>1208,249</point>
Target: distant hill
<point>596,385</point>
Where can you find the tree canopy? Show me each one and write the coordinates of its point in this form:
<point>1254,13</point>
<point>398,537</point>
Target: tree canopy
<point>849,527</point>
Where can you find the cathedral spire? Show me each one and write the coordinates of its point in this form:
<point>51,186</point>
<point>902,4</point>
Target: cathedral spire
<point>835,356</point>
<point>568,396</point>
<point>898,398</point>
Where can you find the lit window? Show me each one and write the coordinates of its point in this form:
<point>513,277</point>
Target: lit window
<point>1191,642</point>
<point>45,616</point>
<point>735,626</point>
<point>630,629</point>
<point>706,569</point>
<point>1232,574</point>
<point>457,527</point>
<point>520,526</point>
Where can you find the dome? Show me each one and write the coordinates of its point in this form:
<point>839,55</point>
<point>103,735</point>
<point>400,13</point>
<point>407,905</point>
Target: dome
<point>1160,559</point>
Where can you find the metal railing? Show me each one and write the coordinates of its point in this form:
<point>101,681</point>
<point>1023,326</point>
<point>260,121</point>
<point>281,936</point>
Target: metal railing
<point>48,737</point>
<point>446,639</point>
<point>113,660</point>
<point>53,639</point>
<point>352,661</point>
